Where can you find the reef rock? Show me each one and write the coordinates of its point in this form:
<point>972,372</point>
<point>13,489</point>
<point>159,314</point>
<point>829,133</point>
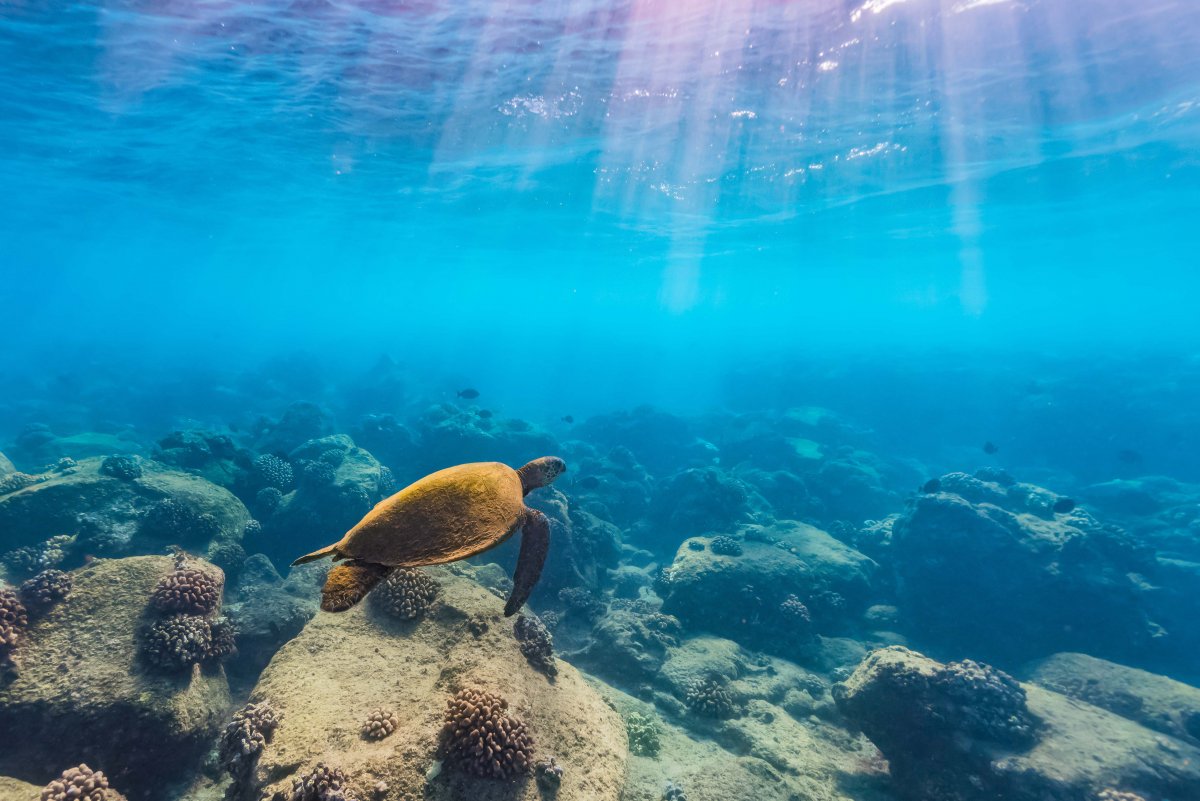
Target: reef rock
<point>966,732</point>
<point>159,508</point>
<point>1156,702</point>
<point>17,790</point>
<point>81,694</point>
<point>700,500</point>
<point>329,679</point>
<point>992,570</point>
<point>6,466</point>
<point>750,596</point>
<point>449,435</point>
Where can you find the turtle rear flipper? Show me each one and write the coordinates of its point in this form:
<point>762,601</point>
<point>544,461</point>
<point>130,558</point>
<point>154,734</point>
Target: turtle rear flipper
<point>535,544</point>
<point>349,583</point>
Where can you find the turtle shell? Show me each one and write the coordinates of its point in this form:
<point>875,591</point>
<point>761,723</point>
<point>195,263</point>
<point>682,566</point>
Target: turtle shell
<point>443,517</point>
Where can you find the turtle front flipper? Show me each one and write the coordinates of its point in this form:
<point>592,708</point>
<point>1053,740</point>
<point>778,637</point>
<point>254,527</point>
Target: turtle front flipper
<point>535,544</point>
<point>349,583</point>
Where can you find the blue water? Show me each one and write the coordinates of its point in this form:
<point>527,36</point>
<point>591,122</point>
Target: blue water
<point>951,222</point>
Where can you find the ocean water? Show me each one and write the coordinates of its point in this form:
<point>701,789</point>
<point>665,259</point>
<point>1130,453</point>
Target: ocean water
<point>899,297</point>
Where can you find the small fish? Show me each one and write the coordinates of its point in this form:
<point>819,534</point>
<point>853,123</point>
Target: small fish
<point>568,419</point>
<point>1064,505</point>
<point>931,486</point>
<point>1129,457</point>
<point>484,413</point>
<point>588,482</point>
<point>468,393</point>
<point>990,447</point>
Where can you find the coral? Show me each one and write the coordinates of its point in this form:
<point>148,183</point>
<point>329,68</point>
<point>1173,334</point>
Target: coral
<point>253,528</point>
<point>244,738</point>
<point>316,475</point>
<point>482,739</point>
<point>379,724</point>
<point>407,593</point>
<point>13,620</point>
<point>992,703</point>
<point>46,588</point>
<point>673,792</point>
<point>229,555</point>
<point>549,774</point>
<point>644,734</point>
<point>126,468</point>
<point>725,546</point>
<point>188,590</point>
<point>333,456</point>
<point>65,465</point>
<point>581,601</point>
<point>271,471</point>
<point>322,783</point>
<point>16,481</point>
<point>387,481</point>
<point>179,641</point>
<point>267,501</point>
<point>536,643</point>
<point>31,559</point>
<point>79,784</point>
<point>710,698</point>
<point>176,521</point>
<point>550,619</point>
<point>793,610</point>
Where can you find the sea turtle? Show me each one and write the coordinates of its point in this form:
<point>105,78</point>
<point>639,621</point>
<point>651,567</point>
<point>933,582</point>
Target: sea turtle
<point>446,516</point>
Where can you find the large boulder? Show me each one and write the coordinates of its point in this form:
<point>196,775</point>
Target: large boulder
<point>450,435</point>
<point>967,732</point>
<point>1154,701</point>
<point>142,513</point>
<point>329,679</point>
<point>990,567</point>
<point>697,501</point>
<point>770,587</point>
<point>81,694</point>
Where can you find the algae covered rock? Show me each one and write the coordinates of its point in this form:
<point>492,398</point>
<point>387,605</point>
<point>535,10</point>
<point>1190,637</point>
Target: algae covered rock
<point>80,692</point>
<point>342,667</point>
<point>161,507</point>
<point>17,790</point>
<point>756,596</point>
<point>967,732</point>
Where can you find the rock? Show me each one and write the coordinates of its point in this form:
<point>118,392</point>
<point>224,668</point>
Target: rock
<point>628,646</point>
<point>697,501</point>
<point>300,422</point>
<point>44,447</point>
<point>1016,582</point>
<point>17,790</point>
<point>954,733</point>
<point>109,513</point>
<point>209,454</point>
<point>266,616</point>
<point>449,435</point>
<point>81,695</point>
<point>660,441</point>
<point>742,596</point>
<point>1156,702</point>
<point>327,680</point>
<point>6,466</point>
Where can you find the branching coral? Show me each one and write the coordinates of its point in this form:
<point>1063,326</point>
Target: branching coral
<point>125,468</point>
<point>179,641</point>
<point>992,703</point>
<point>244,738</point>
<point>407,593</point>
<point>793,610</point>
<point>643,733</point>
<point>13,621</point>
<point>176,521</point>
<point>16,481</point>
<point>322,783</point>
<point>725,546</point>
<point>46,589</point>
<point>31,559</point>
<point>379,724</point>
<point>271,471</point>
<point>549,774</point>
<point>188,590</point>
<point>268,500</point>
<point>482,739</point>
<point>79,784</point>
<point>710,698</point>
<point>536,643</point>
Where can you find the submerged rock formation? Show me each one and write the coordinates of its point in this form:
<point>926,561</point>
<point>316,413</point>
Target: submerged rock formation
<point>344,666</point>
<point>81,693</point>
<point>967,732</point>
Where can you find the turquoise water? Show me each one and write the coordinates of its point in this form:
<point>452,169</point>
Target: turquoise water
<point>965,230</point>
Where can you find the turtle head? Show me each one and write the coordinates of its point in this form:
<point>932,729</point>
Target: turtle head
<point>540,472</point>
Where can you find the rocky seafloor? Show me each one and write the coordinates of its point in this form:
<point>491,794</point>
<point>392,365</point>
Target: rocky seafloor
<point>735,606</point>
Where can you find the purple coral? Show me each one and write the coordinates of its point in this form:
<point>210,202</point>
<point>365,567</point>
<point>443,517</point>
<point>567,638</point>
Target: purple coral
<point>46,589</point>
<point>80,783</point>
<point>709,698</point>
<point>180,641</point>
<point>407,593</point>
<point>188,590</point>
<point>482,739</point>
<point>14,619</point>
<point>322,783</point>
<point>536,643</point>
<point>244,738</point>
